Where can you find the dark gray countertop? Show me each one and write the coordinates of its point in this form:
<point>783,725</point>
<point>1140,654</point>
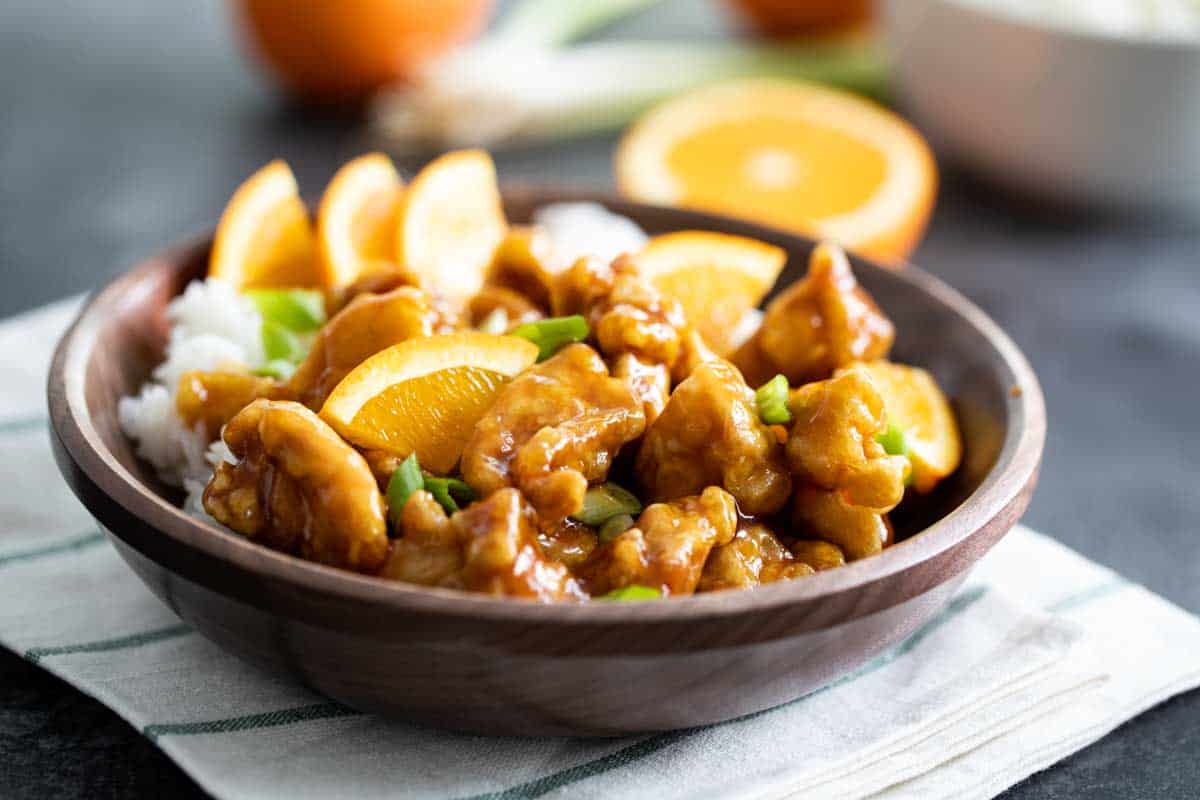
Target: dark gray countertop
<point>124,125</point>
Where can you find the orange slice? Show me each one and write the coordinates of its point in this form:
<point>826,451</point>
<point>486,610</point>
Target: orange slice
<point>916,405</point>
<point>425,395</point>
<point>450,224</point>
<point>787,154</point>
<point>716,277</point>
<point>264,238</point>
<point>356,222</point>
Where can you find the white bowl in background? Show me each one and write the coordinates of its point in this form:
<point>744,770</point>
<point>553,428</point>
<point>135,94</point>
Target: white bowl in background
<point>1079,117</point>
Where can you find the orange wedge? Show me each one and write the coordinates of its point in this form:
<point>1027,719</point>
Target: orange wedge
<point>787,154</point>
<point>356,222</point>
<point>264,238</point>
<point>915,404</point>
<point>450,224</point>
<point>425,395</point>
<point>716,277</point>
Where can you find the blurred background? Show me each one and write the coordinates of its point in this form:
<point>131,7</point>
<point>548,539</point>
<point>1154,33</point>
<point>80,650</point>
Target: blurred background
<point>1067,182</point>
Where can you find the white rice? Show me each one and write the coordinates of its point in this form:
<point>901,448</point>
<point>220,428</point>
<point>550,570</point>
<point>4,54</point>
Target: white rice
<point>586,229</point>
<point>213,327</point>
<point>193,504</point>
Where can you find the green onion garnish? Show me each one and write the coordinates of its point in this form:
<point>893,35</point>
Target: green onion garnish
<point>300,310</point>
<point>634,592</point>
<point>449,492</point>
<point>282,344</point>
<point>551,334</point>
<point>277,368</point>
<point>404,481</point>
<point>602,503</point>
<point>614,527</point>
<point>893,441</point>
<point>772,401</point>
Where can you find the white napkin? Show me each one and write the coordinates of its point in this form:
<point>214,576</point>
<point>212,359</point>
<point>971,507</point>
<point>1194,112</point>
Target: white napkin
<point>1040,653</point>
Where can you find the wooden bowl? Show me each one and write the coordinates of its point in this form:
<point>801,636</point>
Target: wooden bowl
<point>487,665</point>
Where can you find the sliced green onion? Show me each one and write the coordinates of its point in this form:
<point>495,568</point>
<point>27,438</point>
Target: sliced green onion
<point>772,401</point>
<point>634,592</point>
<point>614,527</point>
<point>602,503</point>
<point>277,368</point>
<point>478,97</point>
<point>301,310</point>
<point>551,334</point>
<point>495,322</point>
<point>281,344</point>
<point>549,23</point>
<point>404,481</point>
<point>449,492</point>
<point>893,441</point>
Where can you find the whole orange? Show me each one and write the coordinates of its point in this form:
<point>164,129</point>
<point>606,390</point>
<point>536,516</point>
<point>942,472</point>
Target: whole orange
<point>339,51</point>
<point>792,17</point>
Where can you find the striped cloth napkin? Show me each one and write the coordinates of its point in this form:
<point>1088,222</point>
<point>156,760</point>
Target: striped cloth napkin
<point>1039,654</point>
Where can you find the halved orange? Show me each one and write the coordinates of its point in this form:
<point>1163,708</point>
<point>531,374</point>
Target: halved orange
<point>716,277</point>
<point>450,224</point>
<point>356,221</point>
<point>264,238</point>
<point>425,395</point>
<point>916,405</point>
<point>788,154</point>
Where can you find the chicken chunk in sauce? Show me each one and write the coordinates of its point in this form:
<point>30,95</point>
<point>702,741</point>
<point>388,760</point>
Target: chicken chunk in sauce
<point>211,399</point>
<point>833,442</point>
<point>667,548</point>
<point>817,325</point>
<point>519,265</point>
<point>430,551</point>
<point>818,554</point>
<point>491,547</point>
<point>553,430</point>
<point>297,487</point>
<point>822,514</point>
<point>710,434</point>
<point>639,331</point>
<point>753,557</point>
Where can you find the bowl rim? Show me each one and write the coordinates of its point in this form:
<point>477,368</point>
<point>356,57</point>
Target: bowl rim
<point>1076,35</point>
<point>1013,472</point>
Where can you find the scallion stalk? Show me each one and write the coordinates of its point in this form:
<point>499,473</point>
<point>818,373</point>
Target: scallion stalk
<point>550,23</point>
<point>277,368</point>
<point>634,592</point>
<point>893,441</point>
<point>602,503</point>
<point>404,481</point>
<point>299,310</point>
<point>282,344</point>
<point>772,401</point>
<point>449,492</point>
<point>551,334</point>
<point>491,96</point>
<point>613,527</point>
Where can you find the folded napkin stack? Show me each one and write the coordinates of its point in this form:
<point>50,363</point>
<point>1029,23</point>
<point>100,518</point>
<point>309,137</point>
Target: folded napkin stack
<point>1040,653</point>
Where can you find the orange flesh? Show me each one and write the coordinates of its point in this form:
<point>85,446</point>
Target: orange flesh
<point>283,253</point>
<point>373,227</point>
<point>713,299</point>
<point>780,170</point>
<point>432,415</point>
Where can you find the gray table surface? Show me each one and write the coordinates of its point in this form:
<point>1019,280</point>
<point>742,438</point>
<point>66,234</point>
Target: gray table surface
<point>125,124</point>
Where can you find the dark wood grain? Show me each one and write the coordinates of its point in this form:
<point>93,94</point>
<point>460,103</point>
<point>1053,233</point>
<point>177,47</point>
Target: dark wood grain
<point>502,666</point>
